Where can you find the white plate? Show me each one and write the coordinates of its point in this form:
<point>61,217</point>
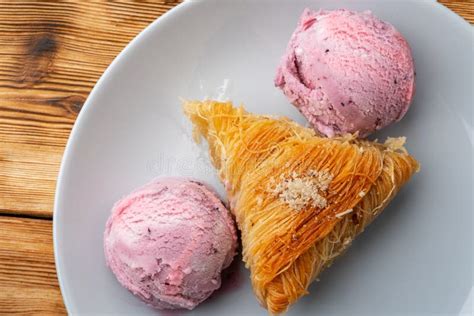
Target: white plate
<point>416,259</point>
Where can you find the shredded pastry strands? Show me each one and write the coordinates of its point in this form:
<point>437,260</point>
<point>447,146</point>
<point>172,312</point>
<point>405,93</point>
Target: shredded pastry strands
<point>339,215</point>
<point>299,199</point>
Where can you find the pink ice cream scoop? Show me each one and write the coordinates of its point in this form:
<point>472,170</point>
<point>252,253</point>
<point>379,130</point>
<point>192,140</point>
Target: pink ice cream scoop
<point>168,241</point>
<point>347,72</point>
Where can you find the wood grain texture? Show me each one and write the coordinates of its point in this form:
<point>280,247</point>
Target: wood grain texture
<point>463,8</point>
<point>28,283</point>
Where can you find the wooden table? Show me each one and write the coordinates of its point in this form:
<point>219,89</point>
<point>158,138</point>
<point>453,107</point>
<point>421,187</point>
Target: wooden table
<point>51,55</point>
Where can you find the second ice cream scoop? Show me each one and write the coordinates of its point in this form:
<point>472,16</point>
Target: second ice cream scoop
<point>347,72</point>
<point>168,241</point>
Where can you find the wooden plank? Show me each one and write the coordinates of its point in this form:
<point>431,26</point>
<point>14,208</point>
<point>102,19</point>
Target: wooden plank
<point>28,283</point>
<point>463,8</point>
<point>51,55</point>
<point>28,177</point>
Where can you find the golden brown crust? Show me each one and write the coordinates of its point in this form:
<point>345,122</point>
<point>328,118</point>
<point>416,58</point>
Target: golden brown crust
<point>285,246</point>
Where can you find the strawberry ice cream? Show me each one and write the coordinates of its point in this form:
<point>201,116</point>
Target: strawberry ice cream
<point>168,241</point>
<point>347,72</point>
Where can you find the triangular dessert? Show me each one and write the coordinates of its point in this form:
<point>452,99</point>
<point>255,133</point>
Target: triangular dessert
<point>299,199</point>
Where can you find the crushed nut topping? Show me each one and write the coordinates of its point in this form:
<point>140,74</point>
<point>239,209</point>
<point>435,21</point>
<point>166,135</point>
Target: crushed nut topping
<point>300,191</point>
